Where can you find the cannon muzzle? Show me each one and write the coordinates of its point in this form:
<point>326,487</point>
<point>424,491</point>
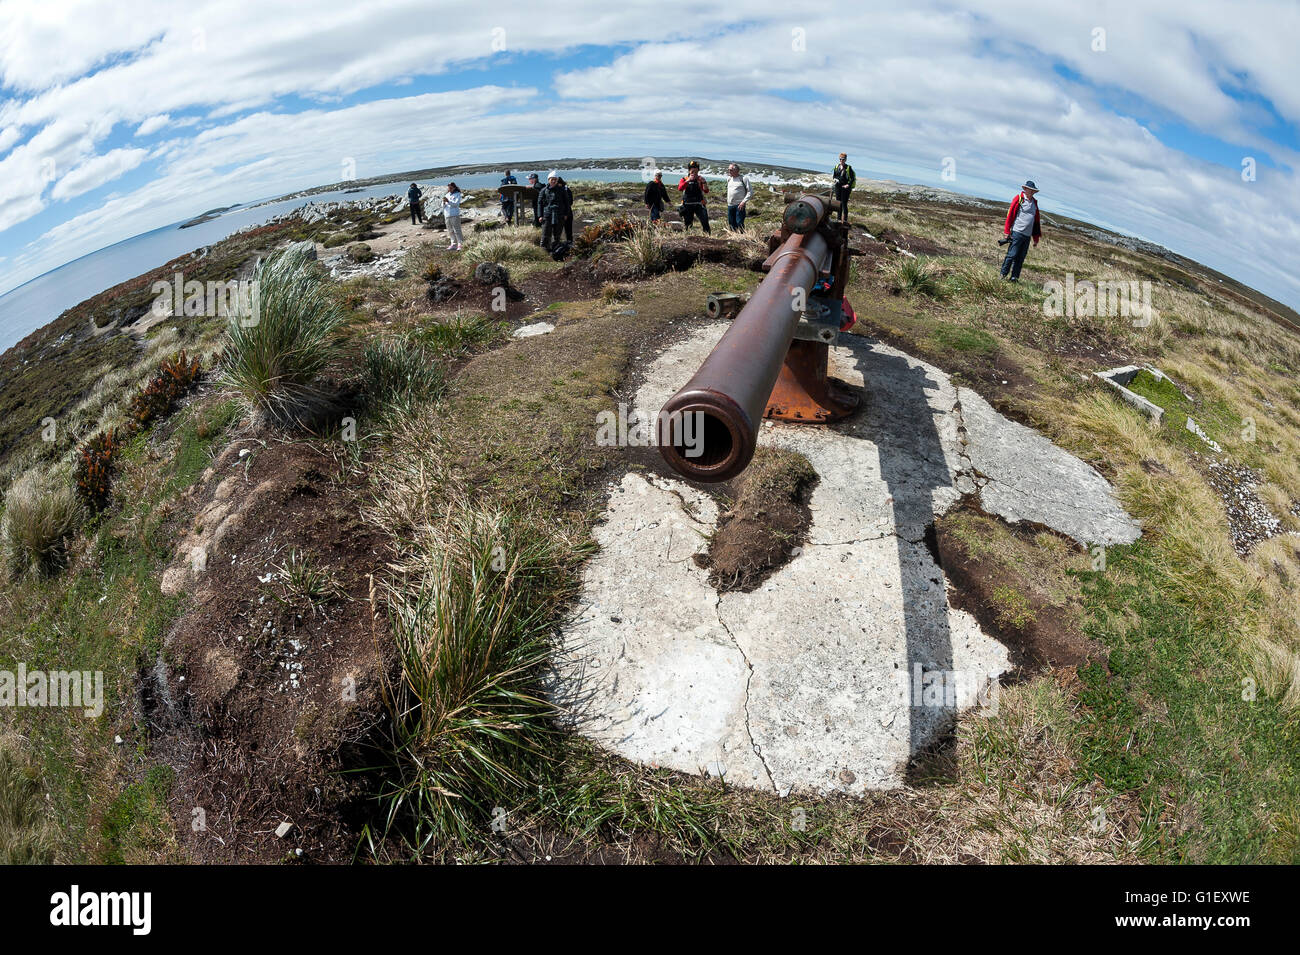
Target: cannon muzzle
<point>708,430</point>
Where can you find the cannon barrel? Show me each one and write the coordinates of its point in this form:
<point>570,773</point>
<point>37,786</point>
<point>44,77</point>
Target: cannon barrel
<point>727,396</point>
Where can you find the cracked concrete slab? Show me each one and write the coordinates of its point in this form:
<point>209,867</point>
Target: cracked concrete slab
<point>847,660</point>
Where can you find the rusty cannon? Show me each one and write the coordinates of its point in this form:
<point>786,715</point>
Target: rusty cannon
<point>772,361</point>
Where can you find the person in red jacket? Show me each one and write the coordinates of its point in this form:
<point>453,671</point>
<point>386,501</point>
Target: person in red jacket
<point>1022,227</point>
<point>694,190</point>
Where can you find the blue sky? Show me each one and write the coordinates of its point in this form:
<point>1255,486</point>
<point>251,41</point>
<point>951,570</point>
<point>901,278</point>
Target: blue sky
<point>161,112</point>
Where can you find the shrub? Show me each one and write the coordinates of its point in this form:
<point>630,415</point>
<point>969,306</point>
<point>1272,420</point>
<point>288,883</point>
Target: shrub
<point>38,521</point>
<point>616,229</point>
<point>175,377</point>
<point>93,470</point>
<point>360,252</point>
<point>272,365</point>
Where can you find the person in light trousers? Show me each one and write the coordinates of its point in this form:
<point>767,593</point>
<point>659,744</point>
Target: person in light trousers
<point>451,212</point>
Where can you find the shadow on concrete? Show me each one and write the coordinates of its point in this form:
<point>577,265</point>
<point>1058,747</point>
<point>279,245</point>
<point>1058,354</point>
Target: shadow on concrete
<point>913,466</point>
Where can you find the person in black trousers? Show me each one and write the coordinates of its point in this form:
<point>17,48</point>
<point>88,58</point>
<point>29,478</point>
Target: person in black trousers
<point>656,196</point>
<point>568,202</point>
<point>694,190</point>
<point>413,195</point>
<point>554,206</point>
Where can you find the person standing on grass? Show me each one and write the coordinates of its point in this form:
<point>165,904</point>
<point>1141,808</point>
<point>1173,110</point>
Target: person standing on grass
<point>507,202</point>
<point>694,190</point>
<point>417,212</point>
<point>554,207</point>
<point>845,179</point>
<point>568,215</point>
<point>537,192</point>
<point>739,192</point>
<point>656,196</point>
<point>451,212</point>
<point>1022,227</point>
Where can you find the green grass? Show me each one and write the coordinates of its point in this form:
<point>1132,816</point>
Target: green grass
<point>25,837</point>
<point>960,338</point>
<point>137,826</point>
<point>457,336</point>
<point>107,614</point>
<point>1215,417</point>
<point>396,374</point>
<point>1165,719</point>
<point>914,276</point>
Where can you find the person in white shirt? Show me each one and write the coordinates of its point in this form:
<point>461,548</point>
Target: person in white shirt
<point>451,212</point>
<point>739,192</point>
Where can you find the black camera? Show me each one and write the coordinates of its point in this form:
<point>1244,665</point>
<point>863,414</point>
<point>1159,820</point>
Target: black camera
<point>1004,240</point>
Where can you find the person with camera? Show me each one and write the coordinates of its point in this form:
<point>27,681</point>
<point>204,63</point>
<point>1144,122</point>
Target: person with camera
<point>556,209</point>
<point>694,190</point>
<point>1021,227</point>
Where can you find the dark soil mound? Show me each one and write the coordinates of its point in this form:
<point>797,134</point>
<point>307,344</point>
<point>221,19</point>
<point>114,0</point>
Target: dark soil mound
<point>765,525</point>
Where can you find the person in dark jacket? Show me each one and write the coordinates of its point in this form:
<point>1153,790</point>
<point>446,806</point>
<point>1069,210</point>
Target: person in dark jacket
<point>694,190</point>
<point>568,218</point>
<point>1022,227</point>
<point>413,196</point>
<point>537,193</point>
<point>508,202</point>
<point>555,209</point>
<point>845,179</point>
<point>656,196</point>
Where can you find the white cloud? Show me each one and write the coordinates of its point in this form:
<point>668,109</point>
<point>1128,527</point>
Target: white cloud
<point>900,88</point>
<point>93,173</point>
<point>153,124</point>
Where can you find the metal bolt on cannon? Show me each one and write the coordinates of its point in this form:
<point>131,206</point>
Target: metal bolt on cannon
<point>772,361</point>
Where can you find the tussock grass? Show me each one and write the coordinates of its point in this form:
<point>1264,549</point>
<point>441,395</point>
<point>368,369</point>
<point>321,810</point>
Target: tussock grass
<point>471,727</point>
<point>503,250</point>
<point>645,248</point>
<point>913,276</point>
<point>273,365</point>
<point>301,582</point>
<point>456,336</point>
<point>40,515</point>
<point>397,374</point>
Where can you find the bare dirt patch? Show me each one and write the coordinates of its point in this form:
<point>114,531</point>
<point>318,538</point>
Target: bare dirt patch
<point>268,687</point>
<point>1010,578</point>
<point>766,523</point>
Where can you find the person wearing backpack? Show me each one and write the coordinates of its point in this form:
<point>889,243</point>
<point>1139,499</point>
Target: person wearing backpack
<point>739,192</point>
<point>694,190</point>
